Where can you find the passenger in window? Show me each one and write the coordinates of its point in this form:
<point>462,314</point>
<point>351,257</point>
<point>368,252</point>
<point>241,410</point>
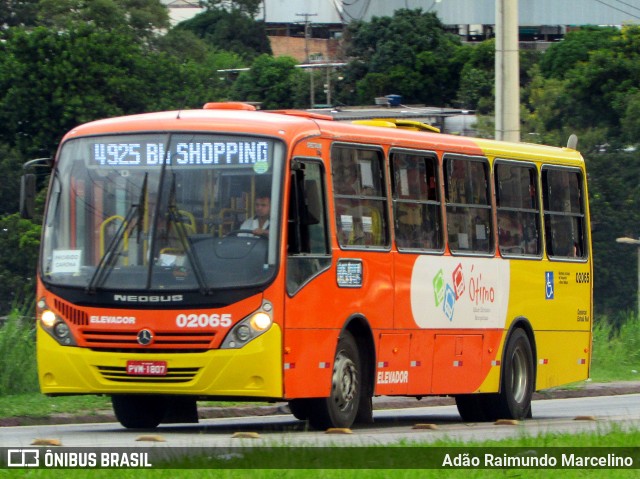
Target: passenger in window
<point>361,223</point>
<point>372,225</point>
<point>409,220</point>
<point>415,228</point>
<point>346,179</point>
<point>510,235</point>
<point>457,187</point>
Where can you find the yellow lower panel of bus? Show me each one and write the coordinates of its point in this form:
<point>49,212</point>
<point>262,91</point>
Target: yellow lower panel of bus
<point>563,357</point>
<point>252,371</point>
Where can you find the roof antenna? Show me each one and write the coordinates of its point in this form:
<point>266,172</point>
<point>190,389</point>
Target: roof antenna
<point>184,101</point>
<point>572,142</point>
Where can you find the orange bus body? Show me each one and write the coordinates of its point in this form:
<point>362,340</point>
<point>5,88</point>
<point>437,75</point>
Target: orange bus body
<point>454,319</point>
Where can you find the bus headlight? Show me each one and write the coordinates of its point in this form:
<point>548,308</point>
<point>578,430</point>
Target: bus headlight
<point>48,318</point>
<point>260,321</point>
<point>249,328</point>
<point>57,328</point>
<point>62,333</point>
<point>243,333</point>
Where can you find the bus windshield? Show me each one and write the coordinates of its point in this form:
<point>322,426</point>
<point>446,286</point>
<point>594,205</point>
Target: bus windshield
<point>171,211</point>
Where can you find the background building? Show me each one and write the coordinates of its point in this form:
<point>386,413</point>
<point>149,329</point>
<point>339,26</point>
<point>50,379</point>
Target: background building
<point>541,21</point>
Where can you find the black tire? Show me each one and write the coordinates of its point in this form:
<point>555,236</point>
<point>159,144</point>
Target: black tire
<point>518,379</point>
<point>341,407</point>
<point>300,408</point>
<point>138,412</point>
<point>365,409</point>
<point>474,407</point>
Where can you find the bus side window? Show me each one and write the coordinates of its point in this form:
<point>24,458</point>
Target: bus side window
<point>360,198</point>
<point>518,211</point>
<point>468,209</point>
<point>307,239</point>
<point>416,202</point>
<point>564,215</point>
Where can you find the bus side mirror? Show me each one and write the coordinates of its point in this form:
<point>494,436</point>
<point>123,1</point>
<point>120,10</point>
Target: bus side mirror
<point>27,195</point>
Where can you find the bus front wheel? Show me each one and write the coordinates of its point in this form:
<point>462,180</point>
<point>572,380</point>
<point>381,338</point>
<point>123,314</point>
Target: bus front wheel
<point>300,408</point>
<point>138,412</point>
<point>341,407</point>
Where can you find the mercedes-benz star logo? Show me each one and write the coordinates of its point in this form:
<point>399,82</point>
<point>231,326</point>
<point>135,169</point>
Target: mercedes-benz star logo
<point>145,337</point>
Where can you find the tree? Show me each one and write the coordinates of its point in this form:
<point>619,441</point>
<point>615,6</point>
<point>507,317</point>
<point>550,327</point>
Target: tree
<point>143,18</point>
<point>615,206</point>
<point>593,95</point>
<point>233,31</point>
<point>248,7</point>
<point>20,241</point>
<point>50,81</point>
<point>273,82</point>
<point>575,47</point>
<point>16,13</point>
<point>408,54</point>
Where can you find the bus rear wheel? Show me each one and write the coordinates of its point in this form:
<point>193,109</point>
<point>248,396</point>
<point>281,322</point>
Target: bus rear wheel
<point>518,379</point>
<point>138,412</point>
<point>475,407</point>
<point>516,386</point>
<point>341,407</point>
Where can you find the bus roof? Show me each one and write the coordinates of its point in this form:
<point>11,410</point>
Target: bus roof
<point>215,120</point>
<point>297,124</point>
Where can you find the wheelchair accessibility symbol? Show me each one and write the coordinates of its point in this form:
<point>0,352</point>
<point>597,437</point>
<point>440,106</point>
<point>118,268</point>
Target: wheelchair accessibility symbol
<point>549,285</point>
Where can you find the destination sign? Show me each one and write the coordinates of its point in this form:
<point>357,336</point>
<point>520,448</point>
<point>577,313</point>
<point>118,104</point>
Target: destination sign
<point>189,153</point>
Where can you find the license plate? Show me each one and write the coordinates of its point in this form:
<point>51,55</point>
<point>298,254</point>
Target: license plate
<point>146,368</point>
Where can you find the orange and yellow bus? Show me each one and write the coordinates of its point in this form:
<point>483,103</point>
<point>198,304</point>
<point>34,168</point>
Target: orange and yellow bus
<point>391,260</point>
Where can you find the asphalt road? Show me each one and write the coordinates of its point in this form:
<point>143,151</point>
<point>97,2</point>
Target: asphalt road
<point>592,412</point>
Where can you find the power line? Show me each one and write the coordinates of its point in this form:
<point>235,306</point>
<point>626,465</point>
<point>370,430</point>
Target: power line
<point>628,4</point>
<point>363,9</point>
<point>616,8</point>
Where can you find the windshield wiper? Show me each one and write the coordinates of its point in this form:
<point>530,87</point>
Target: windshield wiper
<point>141,207</point>
<point>176,219</point>
<point>110,256</point>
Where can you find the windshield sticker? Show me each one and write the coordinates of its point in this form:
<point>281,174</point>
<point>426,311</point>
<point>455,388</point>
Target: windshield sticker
<point>66,261</point>
<point>192,153</point>
<point>261,167</point>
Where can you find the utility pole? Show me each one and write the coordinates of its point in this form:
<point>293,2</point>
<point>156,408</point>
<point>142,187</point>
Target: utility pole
<point>307,33</point>
<point>507,71</point>
<point>635,242</point>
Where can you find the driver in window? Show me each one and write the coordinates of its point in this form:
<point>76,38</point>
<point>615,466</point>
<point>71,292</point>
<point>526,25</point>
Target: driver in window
<point>259,224</point>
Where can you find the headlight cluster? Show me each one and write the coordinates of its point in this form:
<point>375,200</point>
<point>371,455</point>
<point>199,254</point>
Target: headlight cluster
<point>249,328</point>
<point>54,324</point>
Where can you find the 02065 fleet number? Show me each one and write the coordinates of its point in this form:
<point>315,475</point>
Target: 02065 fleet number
<point>203,320</point>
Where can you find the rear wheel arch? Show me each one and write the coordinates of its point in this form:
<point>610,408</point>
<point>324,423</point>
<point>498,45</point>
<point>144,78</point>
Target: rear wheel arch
<point>523,323</point>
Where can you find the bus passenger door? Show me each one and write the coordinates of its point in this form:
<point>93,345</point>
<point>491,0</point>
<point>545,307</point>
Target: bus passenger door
<point>309,344</point>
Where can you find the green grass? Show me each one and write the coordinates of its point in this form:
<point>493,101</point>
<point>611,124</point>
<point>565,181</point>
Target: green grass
<point>18,372</point>
<point>255,463</point>
<point>616,357</point>
<point>616,354</point>
<point>38,405</point>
